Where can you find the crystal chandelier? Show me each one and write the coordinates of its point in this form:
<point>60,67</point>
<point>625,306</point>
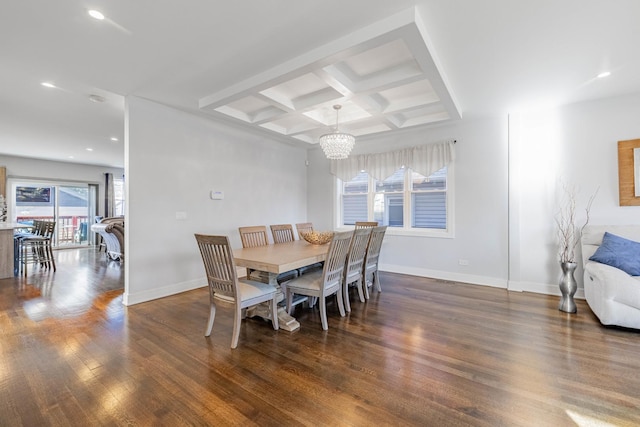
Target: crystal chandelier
<point>337,145</point>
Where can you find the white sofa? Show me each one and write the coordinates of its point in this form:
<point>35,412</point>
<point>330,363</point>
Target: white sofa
<point>112,231</point>
<point>612,294</point>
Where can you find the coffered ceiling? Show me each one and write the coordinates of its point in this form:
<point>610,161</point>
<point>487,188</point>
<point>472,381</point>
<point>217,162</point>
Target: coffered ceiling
<point>383,76</point>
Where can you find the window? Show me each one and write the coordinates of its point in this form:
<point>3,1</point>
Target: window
<point>118,196</point>
<point>388,201</point>
<point>354,199</point>
<point>429,200</point>
<point>406,200</point>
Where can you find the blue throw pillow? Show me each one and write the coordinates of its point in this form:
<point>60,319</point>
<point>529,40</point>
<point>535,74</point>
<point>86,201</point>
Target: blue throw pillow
<point>620,253</point>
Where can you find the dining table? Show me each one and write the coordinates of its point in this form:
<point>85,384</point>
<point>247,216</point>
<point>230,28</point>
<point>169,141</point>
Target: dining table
<point>273,260</point>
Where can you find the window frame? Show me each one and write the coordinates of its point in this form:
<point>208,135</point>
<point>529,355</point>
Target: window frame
<point>119,199</point>
<point>406,230</point>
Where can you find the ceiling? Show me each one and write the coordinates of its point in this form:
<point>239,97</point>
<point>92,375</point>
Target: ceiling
<point>382,77</point>
<point>279,66</point>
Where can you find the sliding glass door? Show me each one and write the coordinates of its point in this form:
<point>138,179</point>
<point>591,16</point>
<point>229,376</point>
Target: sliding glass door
<point>73,214</point>
<point>71,206</point>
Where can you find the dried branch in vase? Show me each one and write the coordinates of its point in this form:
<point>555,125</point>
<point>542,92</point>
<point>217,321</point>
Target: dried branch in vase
<point>568,231</point>
<point>3,209</point>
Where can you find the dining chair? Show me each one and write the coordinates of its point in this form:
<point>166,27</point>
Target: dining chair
<point>366,224</point>
<point>303,227</point>
<point>220,268</point>
<point>282,233</point>
<point>252,237</point>
<point>370,266</point>
<point>354,265</point>
<point>325,282</point>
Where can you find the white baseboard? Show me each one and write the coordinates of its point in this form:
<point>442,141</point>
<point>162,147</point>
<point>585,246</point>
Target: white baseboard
<point>165,291</point>
<point>445,275</point>
<point>539,288</point>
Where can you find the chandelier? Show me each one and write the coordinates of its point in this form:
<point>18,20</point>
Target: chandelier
<point>337,145</point>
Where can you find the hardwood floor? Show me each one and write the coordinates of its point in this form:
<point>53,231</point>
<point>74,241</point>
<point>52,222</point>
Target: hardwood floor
<point>423,352</point>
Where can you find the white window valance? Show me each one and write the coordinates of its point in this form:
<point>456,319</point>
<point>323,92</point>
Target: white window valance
<point>424,159</point>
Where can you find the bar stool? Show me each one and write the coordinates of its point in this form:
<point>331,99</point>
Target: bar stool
<point>34,230</point>
<point>36,249</point>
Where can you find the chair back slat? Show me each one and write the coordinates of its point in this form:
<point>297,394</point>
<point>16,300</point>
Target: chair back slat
<point>356,254</point>
<point>219,264</point>
<point>253,236</point>
<point>38,227</point>
<point>366,224</point>
<point>48,228</point>
<point>282,233</point>
<point>336,257</point>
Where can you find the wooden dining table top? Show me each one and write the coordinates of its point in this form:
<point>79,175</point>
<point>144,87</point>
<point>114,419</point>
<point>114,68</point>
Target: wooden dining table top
<point>281,257</point>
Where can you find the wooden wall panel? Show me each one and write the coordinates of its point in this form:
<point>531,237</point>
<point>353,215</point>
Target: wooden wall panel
<point>3,181</point>
<point>626,185</point>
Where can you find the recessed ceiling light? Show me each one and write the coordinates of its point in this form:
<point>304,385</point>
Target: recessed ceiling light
<point>96,14</point>
<point>604,74</point>
<point>114,139</point>
<point>48,84</point>
<point>89,149</point>
<point>71,157</point>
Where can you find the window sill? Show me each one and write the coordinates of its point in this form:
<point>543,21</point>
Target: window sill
<point>396,231</point>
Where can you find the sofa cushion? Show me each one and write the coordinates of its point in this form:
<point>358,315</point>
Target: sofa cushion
<point>620,253</point>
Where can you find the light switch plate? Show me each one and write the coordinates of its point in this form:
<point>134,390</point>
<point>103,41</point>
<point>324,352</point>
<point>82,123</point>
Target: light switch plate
<point>217,195</point>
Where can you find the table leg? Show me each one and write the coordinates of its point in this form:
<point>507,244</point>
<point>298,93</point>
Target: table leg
<point>285,321</point>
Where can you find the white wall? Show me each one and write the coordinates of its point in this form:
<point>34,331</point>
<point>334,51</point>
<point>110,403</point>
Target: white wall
<point>26,168</point>
<point>172,161</point>
<point>480,215</point>
<point>575,144</point>
<point>508,176</point>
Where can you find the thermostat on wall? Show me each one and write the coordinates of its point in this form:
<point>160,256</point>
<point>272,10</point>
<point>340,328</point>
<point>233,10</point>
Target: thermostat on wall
<point>217,195</point>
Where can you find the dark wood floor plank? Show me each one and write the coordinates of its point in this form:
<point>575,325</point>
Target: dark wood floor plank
<point>423,352</point>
